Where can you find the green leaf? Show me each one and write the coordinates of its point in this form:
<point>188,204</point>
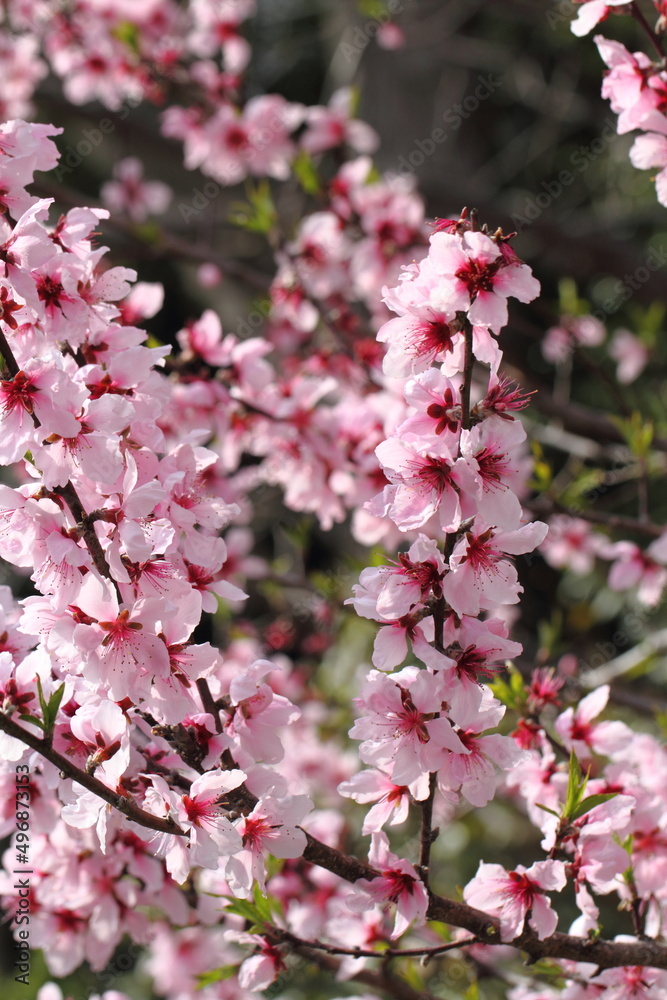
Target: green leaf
<point>31,718</point>
<point>587,481</point>
<point>590,802</point>
<point>546,809</point>
<point>55,702</point>
<point>306,174</point>
<point>576,786</point>
<point>637,432</point>
<point>373,8</point>
<point>50,708</point>
<point>127,33</point>
<point>243,908</point>
<point>572,797</point>
<point>511,692</point>
<point>258,214</point>
<point>42,702</point>
<point>205,979</point>
<point>648,322</point>
<point>263,905</point>
<point>569,303</point>
<point>149,232</point>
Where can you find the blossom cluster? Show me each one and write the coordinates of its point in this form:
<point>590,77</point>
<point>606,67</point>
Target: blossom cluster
<point>129,504</point>
<point>454,468</point>
<point>122,54</point>
<point>635,86</point>
<point>120,533</point>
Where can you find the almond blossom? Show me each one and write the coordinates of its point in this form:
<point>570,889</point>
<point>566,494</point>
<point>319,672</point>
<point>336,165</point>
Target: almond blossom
<point>517,896</point>
<point>397,883</point>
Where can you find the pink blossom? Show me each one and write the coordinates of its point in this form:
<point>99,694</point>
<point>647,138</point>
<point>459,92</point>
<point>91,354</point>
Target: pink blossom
<point>573,331</point>
<point>128,194</point>
<point>331,126</point>
<point>271,828</point>
<point>262,968</point>
<point>212,837</point>
<point>626,349</point>
<point>643,569</point>
<point>477,278</point>
<point>390,592</point>
<point>392,801</point>
<point>580,733</point>
<point>259,713</point>
<point>479,574</point>
<point>399,726</point>
<point>592,13</point>
<point>397,883</point>
<point>512,896</point>
<point>423,481</point>
<point>471,771</point>
<point>571,544</point>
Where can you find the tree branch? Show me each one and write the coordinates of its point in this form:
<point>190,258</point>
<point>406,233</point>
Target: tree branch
<point>380,979</point>
<point>331,949</point>
<point>545,505</point>
<point>603,954</point>
<point>71,498</point>
<point>123,803</point>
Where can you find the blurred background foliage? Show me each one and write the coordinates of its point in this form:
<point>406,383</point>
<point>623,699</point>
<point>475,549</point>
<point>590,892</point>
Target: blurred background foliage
<point>517,98</point>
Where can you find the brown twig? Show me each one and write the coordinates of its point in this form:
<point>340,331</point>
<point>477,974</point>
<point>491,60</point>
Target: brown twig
<point>654,39</point>
<point>330,949</point>
<point>604,954</point>
<point>468,365</point>
<point>546,505</point>
<point>427,835</point>
<point>8,355</point>
<point>84,523</point>
<point>122,802</point>
<point>208,703</point>
<point>381,979</point>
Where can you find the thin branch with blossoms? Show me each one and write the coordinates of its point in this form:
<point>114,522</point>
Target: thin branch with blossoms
<point>120,801</point>
<point>132,510</point>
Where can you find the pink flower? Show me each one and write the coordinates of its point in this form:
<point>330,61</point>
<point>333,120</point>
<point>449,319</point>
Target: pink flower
<point>571,544</point>
<point>573,331</point>
<point>494,471</point>
<point>418,337</point>
<point>262,968</point>
<point>212,837</point>
<point>592,13</point>
<point>392,801</point>
<point>511,896</point>
<point>128,194</point>
<point>271,828</point>
<point>632,356</point>
<point>481,576</point>
<point>258,715</point>
<point>642,569</point>
<point>472,771</point>
<point>474,647</point>
<point>331,126</point>
<point>632,982</point>
<point>397,883</point>
<point>99,733</point>
<point>390,592</point>
<point>478,279</point>
<point>423,481</point>
<point>399,726</point>
<point>123,651</point>
<point>39,393</point>
<point>578,732</point>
